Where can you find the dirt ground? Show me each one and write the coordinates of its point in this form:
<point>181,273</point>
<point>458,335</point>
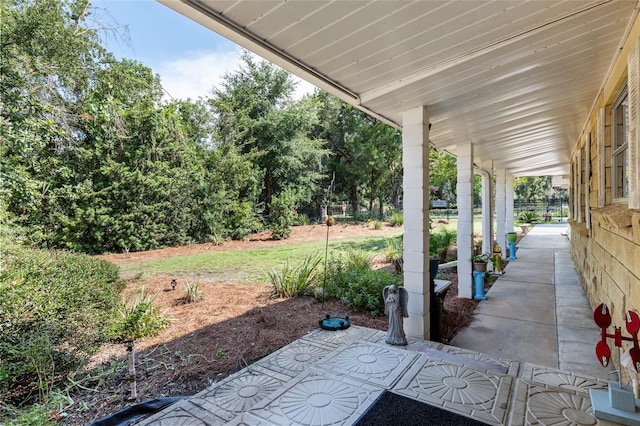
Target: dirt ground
<point>233,326</point>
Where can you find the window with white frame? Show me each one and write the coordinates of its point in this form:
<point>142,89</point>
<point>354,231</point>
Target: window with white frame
<point>620,147</point>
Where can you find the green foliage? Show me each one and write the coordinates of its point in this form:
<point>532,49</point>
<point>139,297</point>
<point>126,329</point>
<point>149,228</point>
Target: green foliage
<point>480,258</point>
<point>443,175</point>
<point>56,308</point>
<point>531,188</point>
<point>394,249</point>
<point>302,219</point>
<point>45,413</point>
<point>396,219</point>
<point>529,216</point>
<point>192,293</point>
<point>244,220</point>
<point>377,225</point>
<point>440,240</point>
<point>366,154</point>
<point>255,112</point>
<point>358,287</point>
<point>140,318</point>
<point>282,214</point>
<point>357,259</point>
<point>296,281</point>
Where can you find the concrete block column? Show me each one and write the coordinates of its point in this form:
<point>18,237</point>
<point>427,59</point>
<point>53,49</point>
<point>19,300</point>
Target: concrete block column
<point>465,219</point>
<point>509,201</point>
<point>415,161</point>
<point>501,208</point>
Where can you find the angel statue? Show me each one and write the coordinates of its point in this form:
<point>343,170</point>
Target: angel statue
<point>395,307</point>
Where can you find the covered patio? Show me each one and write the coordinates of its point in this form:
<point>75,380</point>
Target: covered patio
<point>508,87</point>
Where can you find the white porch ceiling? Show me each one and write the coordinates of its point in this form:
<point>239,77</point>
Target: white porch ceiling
<point>515,78</point>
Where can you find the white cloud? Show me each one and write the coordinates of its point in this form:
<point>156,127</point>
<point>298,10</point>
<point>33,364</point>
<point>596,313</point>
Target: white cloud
<point>197,73</point>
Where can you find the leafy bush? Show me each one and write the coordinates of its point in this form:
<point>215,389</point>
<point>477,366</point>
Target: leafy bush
<point>440,241</point>
<point>358,287</point>
<point>357,259</point>
<point>303,219</point>
<point>282,215</point>
<point>396,219</point>
<point>394,251</point>
<point>142,318</point>
<point>377,225</point>
<point>56,309</point>
<point>529,216</point>
<point>244,220</point>
<point>296,281</point>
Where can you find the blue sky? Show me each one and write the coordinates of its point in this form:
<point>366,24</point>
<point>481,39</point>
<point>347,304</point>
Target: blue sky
<point>189,58</point>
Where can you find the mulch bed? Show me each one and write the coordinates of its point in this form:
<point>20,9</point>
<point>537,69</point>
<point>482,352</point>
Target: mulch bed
<point>233,326</point>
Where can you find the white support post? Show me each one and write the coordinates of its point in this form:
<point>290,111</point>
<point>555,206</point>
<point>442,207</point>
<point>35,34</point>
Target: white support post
<point>415,160</point>
<point>509,202</point>
<point>501,211</point>
<point>486,172</point>
<point>465,219</point>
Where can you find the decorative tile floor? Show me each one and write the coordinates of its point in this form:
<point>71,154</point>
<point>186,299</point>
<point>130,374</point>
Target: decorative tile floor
<point>331,378</point>
<point>538,404</point>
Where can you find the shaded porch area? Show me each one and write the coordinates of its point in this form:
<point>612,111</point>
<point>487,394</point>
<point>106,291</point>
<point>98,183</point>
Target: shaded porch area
<point>526,360</point>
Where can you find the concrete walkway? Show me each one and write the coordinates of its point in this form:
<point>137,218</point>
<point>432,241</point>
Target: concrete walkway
<point>537,311</point>
<point>528,359</point>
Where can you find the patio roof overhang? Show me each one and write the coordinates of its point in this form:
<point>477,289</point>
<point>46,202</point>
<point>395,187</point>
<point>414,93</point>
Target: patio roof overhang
<point>517,79</point>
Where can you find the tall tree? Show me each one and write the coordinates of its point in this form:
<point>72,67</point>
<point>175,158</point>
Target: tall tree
<point>47,56</point>
<point>532,188</point>
<point>366,154</point>
<point>255,112</point>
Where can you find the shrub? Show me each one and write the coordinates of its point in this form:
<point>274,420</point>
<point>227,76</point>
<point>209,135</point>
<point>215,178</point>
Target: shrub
<point>141,318</point>
<point>192,292</point>
<point>243,220</point>
<point>295,281</point>
<point>377,225</point>
<point>303,219</point>
<point>56,309</point>
<point>529,216</point>
<point>358,287</point>
<point>282,215</point>
<point>394,251</point>
<point>357,259</point>
<point>396,219</point>
<point>441,240</point>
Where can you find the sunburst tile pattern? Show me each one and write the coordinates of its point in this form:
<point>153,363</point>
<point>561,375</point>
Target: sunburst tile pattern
<point>481,361</point>
<point>372,363</point>
<point>479,394</point>
<point>340,337</point>
<point>246,419</point>
<point>233,395</point>
<point>236,396</point>
<point>560,378</point>
<point>538,404</point>
<point>317,399</point>
<point>295,357</point>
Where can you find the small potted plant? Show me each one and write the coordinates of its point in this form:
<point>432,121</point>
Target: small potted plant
<point>480,262</point>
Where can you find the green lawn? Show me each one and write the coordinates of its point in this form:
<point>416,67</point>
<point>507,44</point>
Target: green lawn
<point>248,266</point>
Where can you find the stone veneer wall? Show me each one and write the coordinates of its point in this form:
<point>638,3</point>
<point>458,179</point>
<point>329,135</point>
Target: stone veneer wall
<point>608,258</point>
<point>605,244</point>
